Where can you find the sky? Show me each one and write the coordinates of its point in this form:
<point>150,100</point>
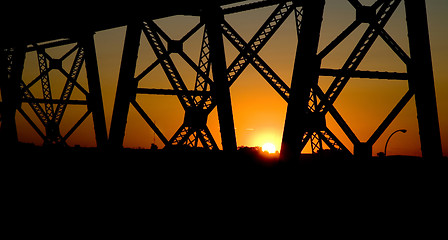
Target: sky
<point>258,110</point>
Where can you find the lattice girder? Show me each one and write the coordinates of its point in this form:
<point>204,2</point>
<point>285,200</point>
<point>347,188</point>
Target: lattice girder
<point>50,116</point>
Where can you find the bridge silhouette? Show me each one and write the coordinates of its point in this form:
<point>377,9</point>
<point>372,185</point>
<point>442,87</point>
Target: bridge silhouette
<point>307,104</point>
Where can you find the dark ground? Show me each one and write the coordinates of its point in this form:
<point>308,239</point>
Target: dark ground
<point>219,167</point>
<point>72,190</point>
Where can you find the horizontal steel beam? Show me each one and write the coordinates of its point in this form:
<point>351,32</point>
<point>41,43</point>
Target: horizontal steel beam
<point>50,44</point>
<point>363,74</point>
<point>54,101</point>
<point>172,92</point>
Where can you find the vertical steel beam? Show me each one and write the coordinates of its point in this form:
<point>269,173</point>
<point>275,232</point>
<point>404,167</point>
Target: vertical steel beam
<point>8,129</point>
<point>95,99</point>
<point>127,85</point>
<point>12,62</point>
<point>213,19</point>
<point>421,79</point>
<point>305,75</point>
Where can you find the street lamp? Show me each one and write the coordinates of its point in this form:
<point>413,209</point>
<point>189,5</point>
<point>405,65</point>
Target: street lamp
<point>385,147</point>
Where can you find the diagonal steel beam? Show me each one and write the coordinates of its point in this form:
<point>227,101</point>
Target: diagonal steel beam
<point>260,39</point>
<point>151,31</point>
<point>332,141</point>
<point>344,34</point>
<point>201,84</point>
<point>256,61</point>
<point>38,110</point>
<point>150,122</point>
<point>43,58</point>
<point>69,85</point>
<point>392,115</point>
<point>384,13</point>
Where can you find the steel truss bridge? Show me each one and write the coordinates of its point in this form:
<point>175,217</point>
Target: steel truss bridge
<point>307,104</point>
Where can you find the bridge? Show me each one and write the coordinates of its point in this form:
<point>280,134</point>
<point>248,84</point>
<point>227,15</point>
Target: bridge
<point>38,29</point>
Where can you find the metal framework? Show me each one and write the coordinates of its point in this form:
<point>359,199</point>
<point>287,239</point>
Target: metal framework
<point>305,120</point>
<point>49,110</point>
<point>308,104</point>
<point>209,92</point>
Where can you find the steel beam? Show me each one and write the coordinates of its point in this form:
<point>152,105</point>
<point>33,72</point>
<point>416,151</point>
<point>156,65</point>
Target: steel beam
<point>126,87</point>
<point>305,75</point>
<point>95,99</point>
<point>213,19</point>
<point>172,92</point>
<point>421,79</point>
<point>11,67</point>
<point>364,74</point>
<point>251,6</point>
<point>392,115</point>
<point>49,116</point>
<point>376,23</point>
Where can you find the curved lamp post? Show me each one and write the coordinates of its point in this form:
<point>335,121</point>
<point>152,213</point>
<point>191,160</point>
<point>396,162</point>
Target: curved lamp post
<point>385,147</point>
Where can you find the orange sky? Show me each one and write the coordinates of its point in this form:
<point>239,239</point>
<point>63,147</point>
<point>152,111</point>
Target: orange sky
<point>259,111</point>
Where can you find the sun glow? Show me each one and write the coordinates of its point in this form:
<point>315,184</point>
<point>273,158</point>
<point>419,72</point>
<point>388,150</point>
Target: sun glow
<point>268,147</point>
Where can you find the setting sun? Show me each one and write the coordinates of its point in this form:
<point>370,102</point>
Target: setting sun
<point>268,147</point>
